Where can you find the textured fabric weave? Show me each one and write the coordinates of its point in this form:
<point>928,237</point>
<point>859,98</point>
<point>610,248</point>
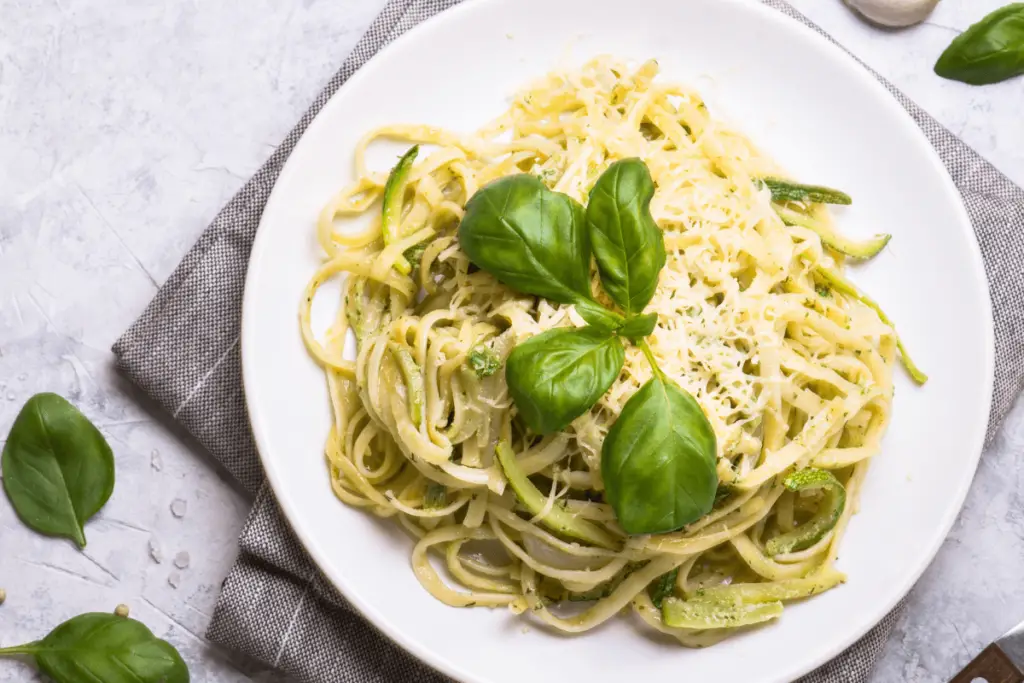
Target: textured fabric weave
<point>184,352</point>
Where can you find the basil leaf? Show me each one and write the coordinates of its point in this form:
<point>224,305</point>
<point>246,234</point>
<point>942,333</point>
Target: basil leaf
<point>628,244</point>
<point>558,375</point>
<point>58,469</point>
<point>528,237</point>
<point>639,326</point>
<point>597,315</point>
<point>658,460</point>
<point>990,51</point>
<point>107,648</point>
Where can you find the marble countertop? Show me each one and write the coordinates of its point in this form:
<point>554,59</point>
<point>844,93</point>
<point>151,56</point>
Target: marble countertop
<point>124,128</point>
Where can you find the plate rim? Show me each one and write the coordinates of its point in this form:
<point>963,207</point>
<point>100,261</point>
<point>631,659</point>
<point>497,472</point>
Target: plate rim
<point>453,669</point>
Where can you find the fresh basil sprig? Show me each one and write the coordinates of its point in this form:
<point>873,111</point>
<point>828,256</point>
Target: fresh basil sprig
<point>628,244</point>
<point>560,374</point>
<point>107,648</point>
<point>58,469</point>
<point>658,461</point>
<point>990,51</point>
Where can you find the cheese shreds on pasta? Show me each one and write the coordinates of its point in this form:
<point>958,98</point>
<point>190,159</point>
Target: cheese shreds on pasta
<point>790,372</point>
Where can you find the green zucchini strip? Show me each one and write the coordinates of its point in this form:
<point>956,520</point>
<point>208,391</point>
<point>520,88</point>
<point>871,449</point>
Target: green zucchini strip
<point>413,377</point>
<point>772,591</point>
<point>788,191</point>
<point>436,496</point>
<point>859,249</point>
<point>706,614</point>
<point>394,194</point>
<point>841,284</point>
<point>809,533</point>
<point>557,519</point>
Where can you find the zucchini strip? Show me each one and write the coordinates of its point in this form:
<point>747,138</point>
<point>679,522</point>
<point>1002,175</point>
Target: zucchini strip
<point>859,249</point>
<point>436,496</point>
<point>394,196</point>
<point>788,191</point>
<point>771,591</point>
<point>557,519</point>
<point>841,284</point>
<point>806,535</point>
<point>706,614</point>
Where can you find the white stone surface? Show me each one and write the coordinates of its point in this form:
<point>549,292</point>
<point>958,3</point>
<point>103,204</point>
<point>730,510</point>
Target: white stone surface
<point>124,127</point>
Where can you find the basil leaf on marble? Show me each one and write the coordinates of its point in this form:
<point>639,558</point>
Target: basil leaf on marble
<point>58,469</point>
<point>104,648</point>
<point>990,51</point>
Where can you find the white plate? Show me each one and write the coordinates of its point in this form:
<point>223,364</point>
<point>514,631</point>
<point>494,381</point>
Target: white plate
<point>825,119</point>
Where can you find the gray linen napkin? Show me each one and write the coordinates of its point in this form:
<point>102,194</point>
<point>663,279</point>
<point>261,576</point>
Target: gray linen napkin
<point>183,351</point>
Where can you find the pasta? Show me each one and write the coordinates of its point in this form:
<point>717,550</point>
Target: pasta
<point>791,365</point>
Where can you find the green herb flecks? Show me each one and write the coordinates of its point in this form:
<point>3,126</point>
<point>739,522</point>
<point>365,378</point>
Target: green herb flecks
<point>663,587</point>
<point>483,361</point>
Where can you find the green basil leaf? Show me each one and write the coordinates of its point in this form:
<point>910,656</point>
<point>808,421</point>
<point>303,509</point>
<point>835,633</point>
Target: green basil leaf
<point>58,469</point>
<point>597,315</point>
<point>988,52</point>
<point>628,244</point>
<point>528,237</point>
<point>560,374</point>
<point>639,326</point>
<point>107,648</point>
<point>658,461</point>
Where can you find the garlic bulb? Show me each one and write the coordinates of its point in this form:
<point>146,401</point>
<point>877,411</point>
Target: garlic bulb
<point>894,12</point>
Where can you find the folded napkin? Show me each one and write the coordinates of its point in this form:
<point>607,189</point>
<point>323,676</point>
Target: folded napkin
<point>184,352</point>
